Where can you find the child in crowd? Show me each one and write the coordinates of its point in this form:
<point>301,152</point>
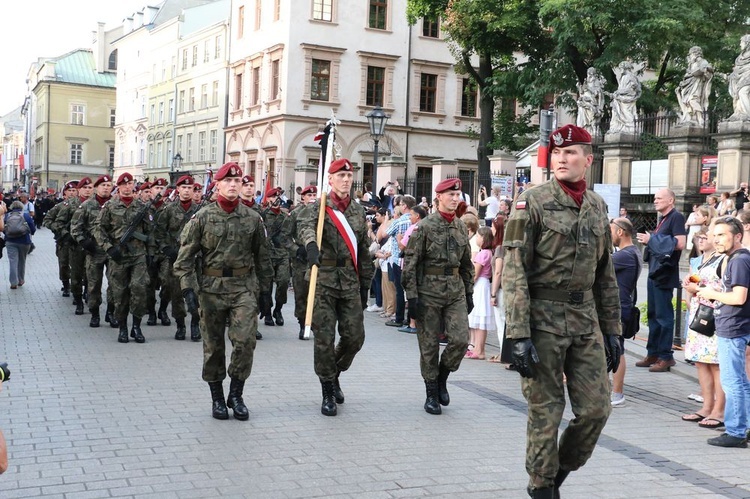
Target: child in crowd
<point>482,318</point>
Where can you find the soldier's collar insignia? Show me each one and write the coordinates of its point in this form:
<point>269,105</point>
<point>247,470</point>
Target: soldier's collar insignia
<point>558,139</point>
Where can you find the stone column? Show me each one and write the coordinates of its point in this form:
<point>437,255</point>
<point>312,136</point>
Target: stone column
<point>733,139</point>
<point>618,150</point>
<point>685,146</point>
<point>441,169</point>
<point>390,169</point>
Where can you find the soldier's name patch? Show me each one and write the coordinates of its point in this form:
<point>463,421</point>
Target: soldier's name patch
<point>521,205</point>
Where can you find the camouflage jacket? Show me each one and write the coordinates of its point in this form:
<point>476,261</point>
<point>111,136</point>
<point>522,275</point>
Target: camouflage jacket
<point>84,220</point>
<point>292,222</point>
<point>437,245</point>
<point>51,216</point>
<point>279,236</point>
<point>115,218</point>
<point>170,221</point>
<point>60,226</point>
<point>552,244</point>
<point>333,246</point>
<point>226,241</point>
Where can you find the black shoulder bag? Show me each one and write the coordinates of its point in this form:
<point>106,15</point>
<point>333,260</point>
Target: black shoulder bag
<point>633,324</point>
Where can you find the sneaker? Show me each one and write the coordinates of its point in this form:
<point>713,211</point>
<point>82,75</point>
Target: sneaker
<point>695,397</point>
<point>394,323</point>
<point>617,399</point>
<point>374,308</point>
<point>407,329</point>
<point>727,440</point>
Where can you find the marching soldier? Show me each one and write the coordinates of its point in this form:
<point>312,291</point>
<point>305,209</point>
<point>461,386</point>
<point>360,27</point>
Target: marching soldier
<point>247,197</point>
<point>169,225</point>
<point>438,278</point>
<point>235,262</point>
<point>345,275</point>
<point>82,229</point>
<point>298,256</point>
<point>128,276</point>
<point>197,193</point>
<point>61,246</point>
<point>563,311</point>
<point>158,265</point>
<point>279,239</point>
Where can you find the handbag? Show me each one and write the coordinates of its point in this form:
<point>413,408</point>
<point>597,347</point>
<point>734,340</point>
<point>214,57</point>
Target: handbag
<point>703,321</point>
<point>633,324</point>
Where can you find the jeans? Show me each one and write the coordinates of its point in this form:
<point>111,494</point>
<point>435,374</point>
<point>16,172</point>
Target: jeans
<point>735,384</point>
<point>17,261</point>
<point>394,274</point>
<point>377,287</point>
<point>660,321</point>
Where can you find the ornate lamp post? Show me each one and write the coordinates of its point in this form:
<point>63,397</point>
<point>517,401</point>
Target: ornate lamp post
<point>377,120</point>
<point>174,169</point>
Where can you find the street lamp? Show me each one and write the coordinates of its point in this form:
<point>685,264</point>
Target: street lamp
<point>174,169</point>
<point>377,120</point>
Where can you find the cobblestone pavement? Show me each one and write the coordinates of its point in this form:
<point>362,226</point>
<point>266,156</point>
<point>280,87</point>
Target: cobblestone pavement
<point>87,417</point>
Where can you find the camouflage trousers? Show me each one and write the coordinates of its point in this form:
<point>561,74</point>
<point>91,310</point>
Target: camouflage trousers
<point>241,308</point>
<point>582,360</point>
<point>161,269</point>
<point>430,319</point>
<point>332,306</point>
<point>77,259</point>
<point>281,279</point>
<point>95,278</point>
<point>129,282</point>
<point>301,286</point>
<point>63,261</point>
<point>170,290</point>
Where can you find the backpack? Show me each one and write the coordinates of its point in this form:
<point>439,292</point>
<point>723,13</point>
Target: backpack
<point>16,225</point>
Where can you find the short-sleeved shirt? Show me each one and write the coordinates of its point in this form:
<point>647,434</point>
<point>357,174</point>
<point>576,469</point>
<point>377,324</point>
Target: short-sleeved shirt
<point>627,263</point>
<point>733,321</point>
<point>672,224</point>
<point>493,206</point>
<point>484,258</point>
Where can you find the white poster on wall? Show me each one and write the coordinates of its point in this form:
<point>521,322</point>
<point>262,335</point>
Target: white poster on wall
<point>611,195</point>
<point>647,177</point>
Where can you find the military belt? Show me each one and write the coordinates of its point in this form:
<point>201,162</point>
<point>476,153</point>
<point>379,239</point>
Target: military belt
<point>330,262</point>
<point>572,297</point>
<point>447,271</point>
<point>226,272</point>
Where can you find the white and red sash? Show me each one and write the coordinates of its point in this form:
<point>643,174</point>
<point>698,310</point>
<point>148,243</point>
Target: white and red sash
<point>346,232</point>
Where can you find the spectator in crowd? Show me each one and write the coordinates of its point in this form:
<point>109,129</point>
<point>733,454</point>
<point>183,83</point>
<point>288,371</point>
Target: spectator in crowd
<point>701,349</point>
<point>744,217</point>
<point>624,214</point>
<point>387,195</point>
<point>699,219</point>
<point>18,241</point>
<point>424,203</point>
<point>404,205</point>
<point>492,202</point>
<point>664,276</point>
<point>726,206</point>
<point>388,290</point>
<point>741,196</point>
<point>376,285</point>
<point>627,263</point>
<point>733,329</point>
<point>713,201</point>
<point>481,317</point>
<point>418,213</point>
<point>472,225</point>
<point>28,208</point>
<point>504,207</point>
<point>496,296</point>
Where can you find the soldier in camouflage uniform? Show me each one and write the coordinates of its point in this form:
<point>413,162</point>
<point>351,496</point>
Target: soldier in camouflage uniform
<point>235,261</point>
<point>438,278</point>
<point>169,225</point>
<point>128,276</point>
<point>61,247</point>
<point>280,239</point>
<point>563,311</point>
<point>344,278</point>
<point>298,256</point>
<point>247,197</point>
<point>158,264</point>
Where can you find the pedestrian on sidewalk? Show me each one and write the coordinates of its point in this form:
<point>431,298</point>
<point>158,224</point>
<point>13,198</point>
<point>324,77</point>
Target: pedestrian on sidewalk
<point>18,228</point>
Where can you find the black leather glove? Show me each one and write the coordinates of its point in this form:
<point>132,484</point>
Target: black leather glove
<point>89,245</point>
<point>612,351</point>
<point>524,357</point>
<point>115,253</point>
<point>313,253</point>
<point>301,254</point>
<point>415,307</point>
<point>170,252</point>
<point>150,263</point>
<point>364,296</point>
<point>265,303</point>
<point>469,303</point>
<point>191,301</point>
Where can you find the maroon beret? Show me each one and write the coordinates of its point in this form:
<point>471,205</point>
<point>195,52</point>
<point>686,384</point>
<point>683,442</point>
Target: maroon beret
<point>71,185</point>
<point>310,189</point>
<point>84,182</point>
<point>168,192</point>
<point>144,186</point>
<point>197,187</point>
<point>342,164</point>
<point>161,182</point>
<point>568,135</point>
<point>274,191</point>
<point>124,178</point>
<point>230,169</point>
<point>247,179</point>
<point>185,180</point>
<point>449,184</point>
<point>102,178</point>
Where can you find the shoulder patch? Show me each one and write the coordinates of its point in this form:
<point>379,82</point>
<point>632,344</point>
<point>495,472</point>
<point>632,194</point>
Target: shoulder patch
<point>521,205</point>
<point>515,230</point>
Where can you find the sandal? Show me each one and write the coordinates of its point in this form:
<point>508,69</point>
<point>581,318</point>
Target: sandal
<point>495,359</point>
<point>711,423</point>
<point>694,418</point>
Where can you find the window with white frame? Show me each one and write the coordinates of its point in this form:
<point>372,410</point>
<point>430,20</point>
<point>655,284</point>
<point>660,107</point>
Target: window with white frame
<point>204,96</point>
<point>161,113</point>
<point>275,75</point>
<point>169,151</point>
<point>178,144</point>
<point>150,163</point>
<point>76,153</point>
<point>206,50</point>
<point>189,147</point>
<point>255,91</point>
<point>195,55</point>
<point>111,150</point>
<point>152,116</point>
<point>170,117</point>
<point>112,118</point>
<point>240,21</point>
<point>217,47</point>
<point>258,13</point>
<point>142,151</point>
<point>182,101</point>
<point>159,154</point>
<point>191,99</point>
<point>77,112</point>
<point>214,142</point>
<point>322,10</point>
<point>201,146</point>
<point>184,59</point>
<point>215,94</point>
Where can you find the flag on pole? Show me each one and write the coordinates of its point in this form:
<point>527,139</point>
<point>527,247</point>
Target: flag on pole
<point>209,179</point>
<point>267,187</point>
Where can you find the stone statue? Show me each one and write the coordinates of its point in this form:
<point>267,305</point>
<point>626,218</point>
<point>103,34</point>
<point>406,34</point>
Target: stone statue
<point>694,89</point>
<point>623,104</point>
<point>739,82</point>
<point>591,101</point>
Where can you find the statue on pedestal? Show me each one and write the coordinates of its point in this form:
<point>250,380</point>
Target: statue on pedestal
<point>739,82</point>
<point>591,101</point>
<point>623,104</point>
<point>694,89</point>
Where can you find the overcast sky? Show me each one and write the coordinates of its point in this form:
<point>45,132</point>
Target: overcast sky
<point>31,29</point>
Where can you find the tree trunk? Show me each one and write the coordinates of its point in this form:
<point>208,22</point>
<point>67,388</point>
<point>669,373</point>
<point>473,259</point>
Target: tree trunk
<point>486,131</point>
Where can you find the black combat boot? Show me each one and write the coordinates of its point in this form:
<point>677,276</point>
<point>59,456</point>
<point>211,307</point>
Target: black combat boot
<point>195,328</point>
<point>559,479</point>
<point>543,493</point>
<point>268,321</point>
<point>94,322</point>
<point>85,295</point>
<point>234,400</point>
<point>123,336</point>
<point>66,288</point>
<point>108,313</point>
<point>79,306</point>
<point>258,336</point>
<point>113,322</point>
<point>302,330</point>
<point>219,408</point>
<point>443,396</point>
<point>135,331</point>
<point>328,407</point>
<point>181,329</point>
<point>151,321</point>
<point>432,405</point>
<point>277,316</point>
<point>337,393</point>
<point>162,315</point>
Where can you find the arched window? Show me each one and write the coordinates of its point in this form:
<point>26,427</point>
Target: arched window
<point>112,66</point>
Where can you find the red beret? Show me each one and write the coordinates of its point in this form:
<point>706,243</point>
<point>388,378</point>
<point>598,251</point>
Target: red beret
<point>84,182</point>
<point>161,182</point>
<point>168,192</point>
<point>197,187</point>
<point>144,186</point>
<point>71,185</point>
<point>102,178</point>
<point>342,164</point>
<point>230,169</point>
<point>310,189</point>
<point>185,180</point>
<point>274,191</point>
<point>124,178</point>
<point>568,135</point>
<point>449,184</point>
<point>247,179</point>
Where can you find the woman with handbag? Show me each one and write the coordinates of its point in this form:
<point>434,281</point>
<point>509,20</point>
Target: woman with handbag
<point>701,349</point>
